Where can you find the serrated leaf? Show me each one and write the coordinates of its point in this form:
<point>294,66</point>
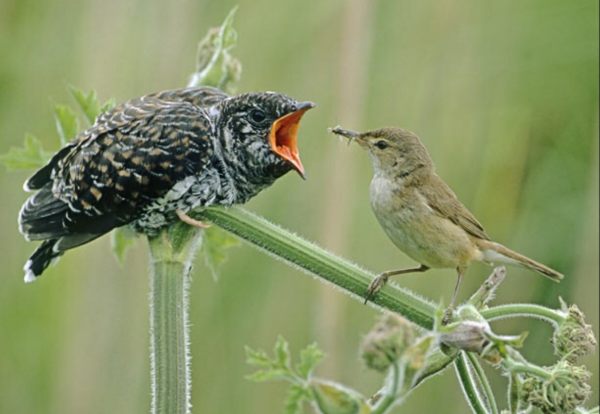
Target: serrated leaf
<point>108,105</point>
<point>215,65</point>
<point>67,124</point>
<point>309,359</point>
<point>121,240</point>
<point>30,156</point>
<point>257,358</point>
<point>88,103</point>
<point>268,375</point>
<point>295,396</point>
<point>214,248</point>
<point>282,352</point>
<point>227,33</point>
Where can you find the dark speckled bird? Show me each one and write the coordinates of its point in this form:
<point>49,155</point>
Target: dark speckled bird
<point>154,158</point>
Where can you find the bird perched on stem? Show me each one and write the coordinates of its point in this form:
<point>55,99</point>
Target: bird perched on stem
<point>150,160</point>
<point>421,214</point>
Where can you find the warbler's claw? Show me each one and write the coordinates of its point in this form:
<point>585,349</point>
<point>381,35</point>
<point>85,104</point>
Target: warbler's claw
<point>375,286</point>
<point>448,315</point>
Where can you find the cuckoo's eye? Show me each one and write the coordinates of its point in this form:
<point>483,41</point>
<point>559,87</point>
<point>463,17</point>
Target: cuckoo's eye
<point>381,145</point>
<point>257,117</point>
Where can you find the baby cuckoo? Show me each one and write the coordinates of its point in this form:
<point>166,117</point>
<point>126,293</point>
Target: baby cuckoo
<point>422,215</point>
<point>149,161</point>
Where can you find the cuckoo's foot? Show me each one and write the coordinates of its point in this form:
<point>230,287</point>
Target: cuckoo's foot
<point>192,222</point>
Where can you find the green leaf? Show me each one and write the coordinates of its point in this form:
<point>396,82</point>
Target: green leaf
<point>333,398</point>
<point>227,33</point>
<point>215,66</point>
<point>269,375</point>
<point>30,156</point>
<point>282,352</point>
<point>257,358</point>
<point>214,248</point>
<point>88,103</point>
<point>108,105</point>
<point>67,123</point>
<point>309,358</point>
<point>295,396</point>
<point>121,240</point>
<point>276,367</point>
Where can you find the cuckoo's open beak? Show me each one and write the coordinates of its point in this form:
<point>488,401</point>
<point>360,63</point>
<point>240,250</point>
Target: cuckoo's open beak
<point>284,136</point>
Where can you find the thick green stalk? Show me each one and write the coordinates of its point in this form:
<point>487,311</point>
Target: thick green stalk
<point>169,337</point>
<point>172,251</point>
<point>468,384</point>
<point>317,261</point>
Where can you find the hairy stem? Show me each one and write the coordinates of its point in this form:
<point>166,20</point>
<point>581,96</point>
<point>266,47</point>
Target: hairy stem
<point>485,387</point>
<point>526,368</point>
<point>172,251</point>
<point>392,393</point>
<point>169,336</point>
<point>523,310</point>
<point>469,385</point>
<point>317,261</point>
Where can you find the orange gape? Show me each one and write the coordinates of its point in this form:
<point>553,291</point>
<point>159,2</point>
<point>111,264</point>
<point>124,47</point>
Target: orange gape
<point>284,138</point>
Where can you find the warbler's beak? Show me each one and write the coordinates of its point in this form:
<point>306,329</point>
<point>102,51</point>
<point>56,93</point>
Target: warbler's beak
<point>351,135</point>
<point>283,137</point>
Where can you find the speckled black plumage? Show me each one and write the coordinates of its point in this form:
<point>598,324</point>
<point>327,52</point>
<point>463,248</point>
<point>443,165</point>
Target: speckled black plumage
<point>147,158</point>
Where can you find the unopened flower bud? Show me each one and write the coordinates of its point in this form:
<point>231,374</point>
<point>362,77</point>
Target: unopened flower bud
<point>466,335</point>
<point>386,342</point>
<point>333,398</point>
<point>573,338</point>
<point>566,388</point>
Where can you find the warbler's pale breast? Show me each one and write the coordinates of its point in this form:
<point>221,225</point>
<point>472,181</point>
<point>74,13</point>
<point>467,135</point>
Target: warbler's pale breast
<point>416,229</point>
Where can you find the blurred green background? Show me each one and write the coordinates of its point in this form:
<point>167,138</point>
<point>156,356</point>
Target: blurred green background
<point>504,94</point>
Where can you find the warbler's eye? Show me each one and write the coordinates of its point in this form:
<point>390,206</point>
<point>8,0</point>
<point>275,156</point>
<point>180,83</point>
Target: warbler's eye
<point>381,145</point>
<point>257,116</point>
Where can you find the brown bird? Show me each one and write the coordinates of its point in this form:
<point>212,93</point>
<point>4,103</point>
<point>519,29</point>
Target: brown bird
<point>422,215</point>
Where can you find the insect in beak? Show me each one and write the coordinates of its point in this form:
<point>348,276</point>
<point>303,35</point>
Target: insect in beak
<point>351,135</point>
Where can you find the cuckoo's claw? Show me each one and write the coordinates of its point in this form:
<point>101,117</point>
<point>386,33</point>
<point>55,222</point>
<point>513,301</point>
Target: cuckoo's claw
<point>192,222</point>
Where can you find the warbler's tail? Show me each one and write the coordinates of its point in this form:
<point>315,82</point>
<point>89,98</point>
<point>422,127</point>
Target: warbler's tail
<point>495,252</point>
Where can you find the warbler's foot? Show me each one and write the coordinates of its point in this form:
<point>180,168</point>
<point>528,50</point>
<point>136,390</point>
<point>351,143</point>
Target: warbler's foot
<point>375,286</point>
<point>192,222</point>
<point>448,315</point>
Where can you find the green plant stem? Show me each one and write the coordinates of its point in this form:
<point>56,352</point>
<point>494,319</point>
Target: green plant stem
<point>483,382</point>
<point>171,259</point>
<point>468,384</point>
<point>171,254</point>
<point>391,395</point>
<point>315,260</point>
<point>526,368</point>
<point>523,310</point>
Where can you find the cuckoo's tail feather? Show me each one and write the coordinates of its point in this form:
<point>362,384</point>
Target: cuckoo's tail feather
<point>41,258</point>
<point>495,252</point>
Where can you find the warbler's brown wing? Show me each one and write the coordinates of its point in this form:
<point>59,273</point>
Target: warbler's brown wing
<point>444,202</point>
